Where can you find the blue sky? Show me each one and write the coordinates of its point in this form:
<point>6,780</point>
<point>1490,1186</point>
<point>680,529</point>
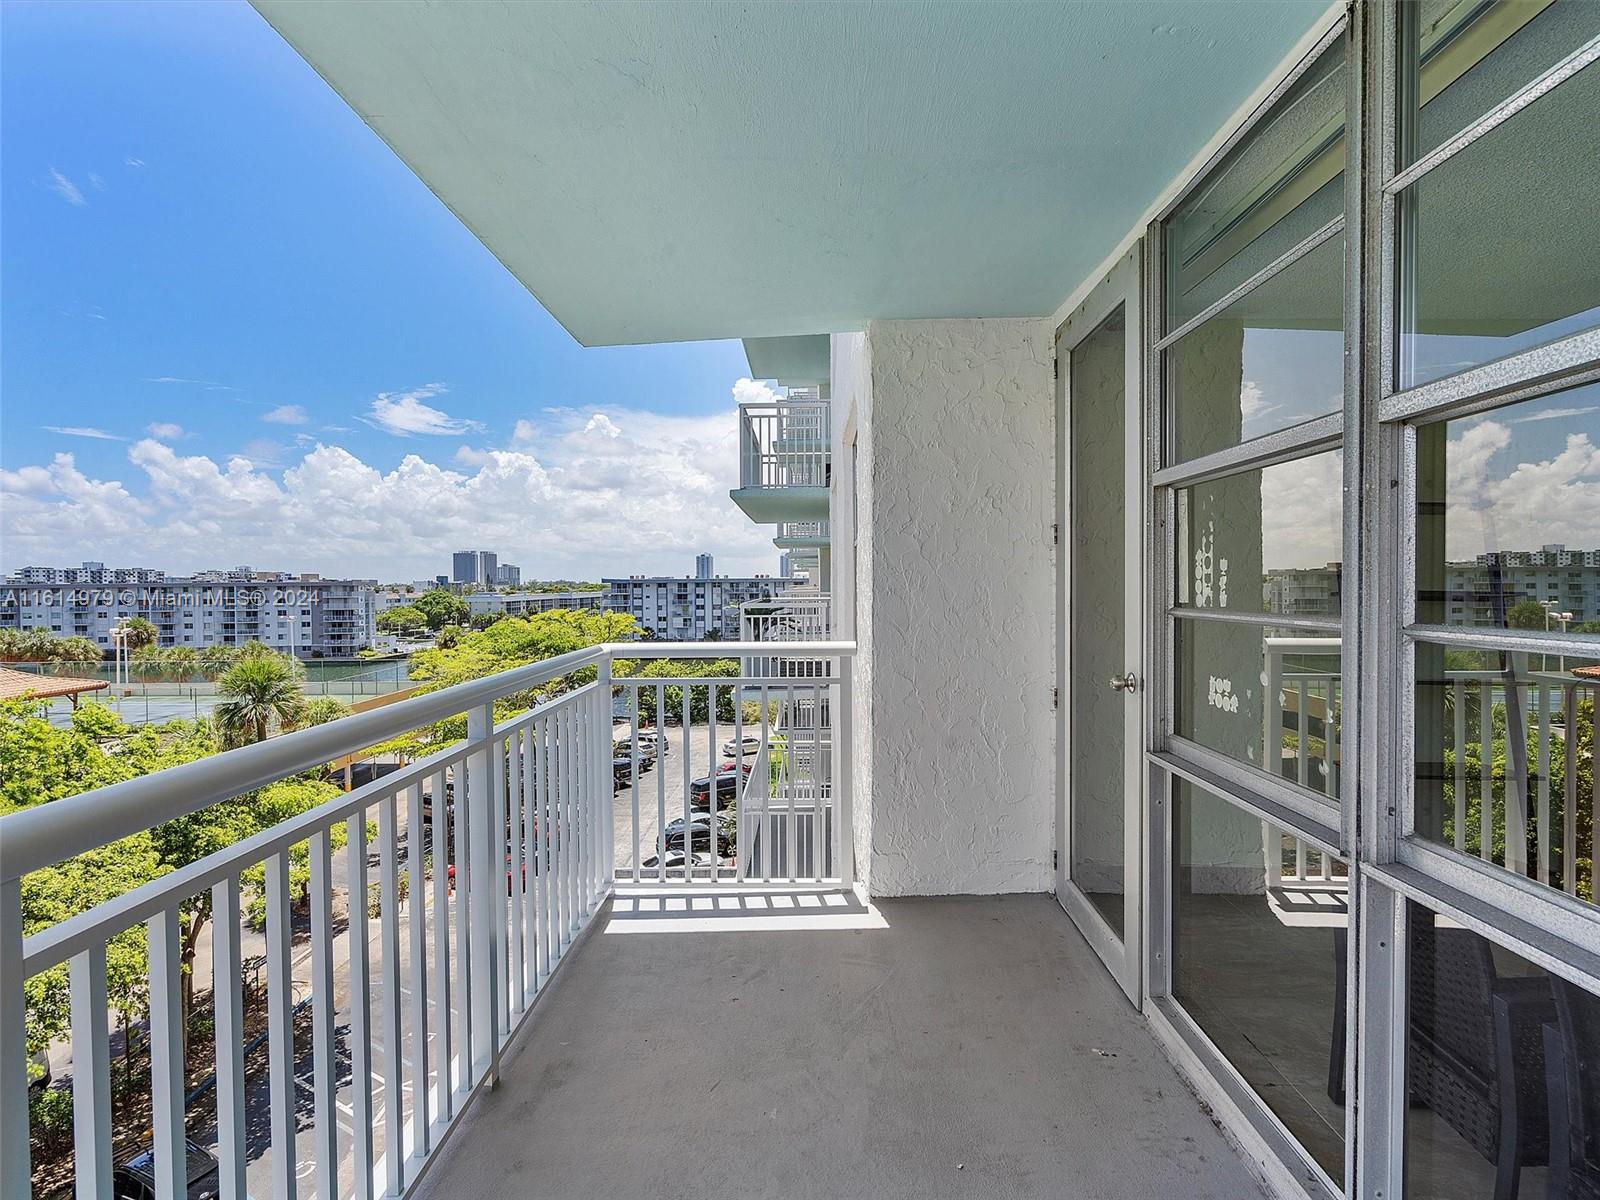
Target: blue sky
<point>209,258</point>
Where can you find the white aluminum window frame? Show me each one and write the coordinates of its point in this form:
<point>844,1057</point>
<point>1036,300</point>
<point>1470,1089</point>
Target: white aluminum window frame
<point>1373,827</point>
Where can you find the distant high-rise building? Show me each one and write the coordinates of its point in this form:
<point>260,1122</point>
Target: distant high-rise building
<point>702,566</point>
<point>508,575</point>
<point>474,567</point>
<point>785,567</point>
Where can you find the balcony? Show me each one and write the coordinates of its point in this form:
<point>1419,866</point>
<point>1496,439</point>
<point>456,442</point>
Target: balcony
<point>797,616</point>
<point>784,459</point>
<point>801,535</point>
<point>565,929</point>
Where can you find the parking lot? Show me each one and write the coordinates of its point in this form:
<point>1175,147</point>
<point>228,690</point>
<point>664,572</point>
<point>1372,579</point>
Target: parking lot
<point>661,790</point>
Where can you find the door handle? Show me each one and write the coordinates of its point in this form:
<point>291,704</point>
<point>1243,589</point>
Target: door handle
<point>1125,683</point>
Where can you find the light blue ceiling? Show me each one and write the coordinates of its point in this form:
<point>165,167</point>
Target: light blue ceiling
<point>675,171</point>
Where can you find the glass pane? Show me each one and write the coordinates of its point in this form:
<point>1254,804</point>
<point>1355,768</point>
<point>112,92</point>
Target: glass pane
<point>1282,183</point>
<point>1501,1057</point>
<point>1508,516</point>
<point>1243,689</point>
<point>1258,930</point>
<point>1473,55</point>
<point>1510,736</point>
<point>1273,358</point>
<point>1281,526</point>
<point>1500,238</point>
<point>1099,554</point>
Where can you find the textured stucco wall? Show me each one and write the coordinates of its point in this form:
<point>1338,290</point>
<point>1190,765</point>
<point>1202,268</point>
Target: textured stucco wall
<point>957,605</point>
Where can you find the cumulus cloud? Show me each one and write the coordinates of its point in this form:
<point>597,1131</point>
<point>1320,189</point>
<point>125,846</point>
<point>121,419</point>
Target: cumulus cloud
<point>286,414</point>
<point>1301,512</point>
<point>1496,503</point>
<point>608,491</point>
<point>404,414</point>
<point>166,431</point>
<point>66,189</point>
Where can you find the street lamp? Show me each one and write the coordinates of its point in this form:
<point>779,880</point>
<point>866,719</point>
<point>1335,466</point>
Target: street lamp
<point>1550,614</point>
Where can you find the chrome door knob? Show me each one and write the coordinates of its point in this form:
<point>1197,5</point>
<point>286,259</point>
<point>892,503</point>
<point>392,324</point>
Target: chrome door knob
<point>1125,683</point>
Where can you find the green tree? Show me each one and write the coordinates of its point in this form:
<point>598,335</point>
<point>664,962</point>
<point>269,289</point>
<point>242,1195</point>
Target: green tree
<point>443,607</point>
<point>37,646</point>
<point>322,710</point>
<point>405,619</point>
<point>259,692</point>
<point>1526,614</point>
<point>139,633</point>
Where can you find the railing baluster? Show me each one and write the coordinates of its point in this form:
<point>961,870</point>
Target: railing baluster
<point>166,1057</point>
<point>844,757</point>
<point>1486,774</point>
<point>818,776</point>
<point>546,851</point>
<point>16,1173</point>
<point>1460,732</point>
<point>741,782</point>
<point>1544,844</point>
<point>633,779</point>
<point>360,970</point>
<point>325,1139</point>
<point>688,752</point>
<point>583,747</point>
<point>91,1075</point>
<point>280,1028</point>
<point>661,781</point>
<point>765,848</point>
<point>1302,737</point>
<point>1569,789</point>
<point>389,990</point>
<point>439,840</point>
<point>527,872</point>
<point>417,927</point>
<point>714,790</point>
<point>228,1030</point>
<point>515,994</point>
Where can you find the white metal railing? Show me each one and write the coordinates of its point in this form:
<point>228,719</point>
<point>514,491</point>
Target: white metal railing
<point>785,443</point>
<point>1302,719</point>
<point>796,616</point>
<point>812,531</point>
<point>492,855</point>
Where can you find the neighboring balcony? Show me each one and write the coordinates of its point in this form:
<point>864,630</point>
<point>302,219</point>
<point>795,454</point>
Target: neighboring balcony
<point>760,1029</point>
<point>797,616</point>
<point>801,535</point>
<point>785,459</point>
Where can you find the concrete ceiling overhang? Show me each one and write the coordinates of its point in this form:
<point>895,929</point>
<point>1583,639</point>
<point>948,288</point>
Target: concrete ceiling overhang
<point>798,361</point>
<point>663,172</point>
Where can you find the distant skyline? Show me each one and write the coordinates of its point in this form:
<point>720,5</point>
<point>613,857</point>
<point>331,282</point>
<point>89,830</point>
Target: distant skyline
<point>237,329</point>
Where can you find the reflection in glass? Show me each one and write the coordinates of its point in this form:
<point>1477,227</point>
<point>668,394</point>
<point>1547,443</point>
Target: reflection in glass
<point>1505,760</point>
<point>1501,1062</point>
<point>1097,421</point>
<point>1273,358</point>
<point>1508,516</point>
<point>1257,918</point>
<point>1471,56</point>
<point>1279,525</point>
<point>1277,187</point>
<point>1266,697</point>
<point>1500,238</point>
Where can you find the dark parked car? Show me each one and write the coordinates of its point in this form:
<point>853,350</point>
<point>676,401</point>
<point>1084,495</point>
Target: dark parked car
<point>729,781</point>
<point>700,834</point>
<point>136,1178</point>
<point>675,861</point>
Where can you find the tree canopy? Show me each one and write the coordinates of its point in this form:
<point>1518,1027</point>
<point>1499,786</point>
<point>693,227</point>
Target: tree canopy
<point>443,607</point>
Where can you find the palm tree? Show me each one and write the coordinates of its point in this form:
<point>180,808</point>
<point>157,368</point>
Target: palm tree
<point>259,691</point>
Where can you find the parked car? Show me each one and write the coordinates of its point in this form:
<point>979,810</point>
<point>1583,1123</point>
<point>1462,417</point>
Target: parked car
<point>699,829</point>
<point>649,749</point>
<point>674,861</point>
<point>729,781</point>
<point>749,744</point>
<point>136,1178</point>
<point>653,741</point>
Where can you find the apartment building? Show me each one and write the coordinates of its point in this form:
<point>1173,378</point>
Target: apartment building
<point>480,567</point>
<point>1085,320</point>
<point>303,615</point>
<point>88,572</point>
<point>522,604</point>
<point>686,608</point>
<point>507,575</point>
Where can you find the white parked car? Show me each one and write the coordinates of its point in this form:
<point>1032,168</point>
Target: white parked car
<point>751,744</point>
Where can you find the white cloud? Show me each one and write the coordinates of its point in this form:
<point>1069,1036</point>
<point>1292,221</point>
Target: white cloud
<point>1494,505</point>
<point>84,431</point>
<point>750,391</point>
<point>1555,414</point>
<point>404,414</point>
<point>133,162</point>
<point>1301,506</point>
<point>286,414</point>
<point>96,182</point>
<point>66,189</point>
<point>166,431</point>
<point>634,491</point>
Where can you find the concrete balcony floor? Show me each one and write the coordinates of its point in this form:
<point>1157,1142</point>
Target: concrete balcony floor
<point>964,1046</point>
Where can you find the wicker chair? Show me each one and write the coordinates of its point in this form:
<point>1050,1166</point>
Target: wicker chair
<point>1477,1048</point>
<point>1572,1058</point>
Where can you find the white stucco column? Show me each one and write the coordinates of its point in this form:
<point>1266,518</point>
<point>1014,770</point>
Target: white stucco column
<point>951,480</point>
